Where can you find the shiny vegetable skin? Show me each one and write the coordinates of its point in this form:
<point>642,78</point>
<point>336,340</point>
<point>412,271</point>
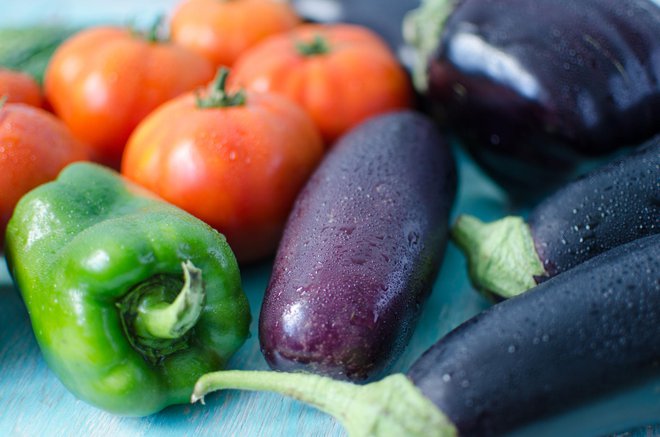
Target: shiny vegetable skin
<point>221,30</point>
<point>535,88</point>
<point>361,250</point>
<point>34,147</point>
<point>616,204</point>
<point>578,355</point>
<point>578,337</point>
<point>104,80</point>
<point>235,160</point>
<point>99,262</point>
<point>19,87</point>
<point>610,206</point>
<point>340,74</point>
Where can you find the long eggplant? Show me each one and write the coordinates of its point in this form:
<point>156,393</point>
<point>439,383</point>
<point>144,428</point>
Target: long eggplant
<point>361,250</point>
<point>584,337</point>
<point>537,90</point>
<point>610,206</point>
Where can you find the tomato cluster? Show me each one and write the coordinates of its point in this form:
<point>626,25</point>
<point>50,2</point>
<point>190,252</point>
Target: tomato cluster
<point>235,153</point>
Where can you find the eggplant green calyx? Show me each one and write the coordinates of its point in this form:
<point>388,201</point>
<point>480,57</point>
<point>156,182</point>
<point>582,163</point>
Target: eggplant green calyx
<point>391,407</point>
<point>422,29</point>
<point>217,95</point>
<point>315,47</point>
<point>501,255</point>
<point>157,326</point>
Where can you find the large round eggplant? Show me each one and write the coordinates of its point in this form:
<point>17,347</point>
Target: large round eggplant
<point>361,250</point>
<point>585,340</point>
<point>535,89</point>
<point>610,206</point>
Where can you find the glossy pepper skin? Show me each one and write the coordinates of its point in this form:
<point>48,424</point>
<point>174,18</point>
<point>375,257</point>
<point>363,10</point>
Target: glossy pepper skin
<point>535,89</point>
<point>92,255</point>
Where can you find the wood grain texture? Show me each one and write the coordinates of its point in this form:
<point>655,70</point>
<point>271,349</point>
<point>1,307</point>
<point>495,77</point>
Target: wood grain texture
<point>34,403</point>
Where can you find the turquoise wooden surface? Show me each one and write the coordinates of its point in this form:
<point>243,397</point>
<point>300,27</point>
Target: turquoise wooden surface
<point>34,403</point>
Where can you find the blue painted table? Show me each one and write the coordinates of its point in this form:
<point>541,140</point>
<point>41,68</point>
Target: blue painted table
<point>34,403</point>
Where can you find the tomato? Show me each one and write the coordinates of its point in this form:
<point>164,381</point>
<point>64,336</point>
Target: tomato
<point>104,80</point>
<point>19,88</point>
<point>223,29</point>
<point>235,161</point>
<point>341,74</point>
<point>34,147</point>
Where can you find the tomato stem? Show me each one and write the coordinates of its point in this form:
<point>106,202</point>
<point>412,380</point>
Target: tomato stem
<point>154,33</point>
<point>217,95</point>
<point>317,46</point>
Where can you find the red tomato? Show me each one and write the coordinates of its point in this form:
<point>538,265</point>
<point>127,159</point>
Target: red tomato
<point>235,163</point>
<point>34,147</point>
<point>341,74</point>
<point>19,88</point>
<point>103,81</point>
<point>221,30</point>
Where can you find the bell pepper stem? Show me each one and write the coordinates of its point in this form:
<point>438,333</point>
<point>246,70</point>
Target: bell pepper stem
<point>393,406</point>
<point>172,320</point>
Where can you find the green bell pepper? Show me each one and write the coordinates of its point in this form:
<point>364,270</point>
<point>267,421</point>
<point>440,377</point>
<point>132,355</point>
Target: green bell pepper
<point>131,299</point>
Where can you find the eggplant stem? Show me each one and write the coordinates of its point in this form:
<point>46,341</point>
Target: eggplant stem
<point>502,258</point>
<point>422,28</point>
<point>391,407</point>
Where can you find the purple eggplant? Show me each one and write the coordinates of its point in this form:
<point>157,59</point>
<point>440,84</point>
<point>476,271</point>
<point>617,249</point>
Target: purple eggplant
<point>585,340</point>
<point>537,90</point>
<point>361,250</point>
<point>610,206</point>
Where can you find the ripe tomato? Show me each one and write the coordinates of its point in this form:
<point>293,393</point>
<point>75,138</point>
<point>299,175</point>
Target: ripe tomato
<point>235,161</point>
<point>103,81</point>
<point>19,88</point>
<point>34,147</point>
<point>341,74</point>
<point>223,29</point>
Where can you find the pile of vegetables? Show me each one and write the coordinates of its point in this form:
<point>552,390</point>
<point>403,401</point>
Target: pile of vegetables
<point>140,171</point>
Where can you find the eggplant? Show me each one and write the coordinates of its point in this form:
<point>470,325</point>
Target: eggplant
<point>617,203</point>
<point>577,341</point>
<point>538,91</point>
<point>361,250</point>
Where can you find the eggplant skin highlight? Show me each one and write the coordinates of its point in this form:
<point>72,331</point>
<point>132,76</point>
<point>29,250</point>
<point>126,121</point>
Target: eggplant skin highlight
<point>361,250</point>
<point>574,339</point>
<point>612,205</point>
<point>538,90</point>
